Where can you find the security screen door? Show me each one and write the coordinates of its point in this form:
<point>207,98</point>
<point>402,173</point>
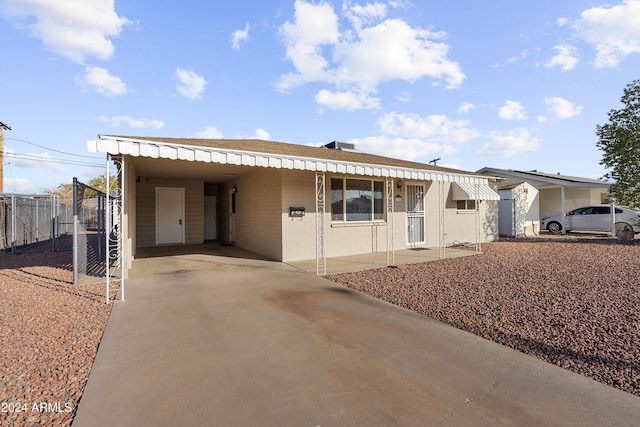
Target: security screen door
<point>169,216</point>
<point>415,214</point>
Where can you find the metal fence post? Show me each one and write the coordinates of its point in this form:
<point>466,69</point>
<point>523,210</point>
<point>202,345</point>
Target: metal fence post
<point>13,224</point>
<point>75,231</point>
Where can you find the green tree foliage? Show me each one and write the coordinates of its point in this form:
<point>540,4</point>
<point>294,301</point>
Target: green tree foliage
<point>98,183</point>
<point>619,141</point>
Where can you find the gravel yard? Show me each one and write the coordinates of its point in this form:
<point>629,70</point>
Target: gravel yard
<point>573,302</point>
<point>49,336</point>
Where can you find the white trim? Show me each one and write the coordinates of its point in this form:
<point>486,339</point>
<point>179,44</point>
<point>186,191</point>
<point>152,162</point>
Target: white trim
<point>154,149</point>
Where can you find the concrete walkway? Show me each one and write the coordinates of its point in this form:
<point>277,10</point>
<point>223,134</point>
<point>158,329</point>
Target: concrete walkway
<point>206,339</point>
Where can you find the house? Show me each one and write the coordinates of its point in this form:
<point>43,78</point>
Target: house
<point>291,202</point>
<point>544,194</point>
<point>518,209</point>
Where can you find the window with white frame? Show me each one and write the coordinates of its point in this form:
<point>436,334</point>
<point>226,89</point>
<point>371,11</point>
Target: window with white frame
<point>466,205</point>
<point>357,199</point>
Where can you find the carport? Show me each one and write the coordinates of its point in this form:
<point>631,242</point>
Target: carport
<point>289,202</point>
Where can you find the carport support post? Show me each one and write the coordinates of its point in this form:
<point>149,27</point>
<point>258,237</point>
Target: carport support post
<point>442,244</point>
<point>321,250</point>
<point>564,209</point>
<point>391,254</point>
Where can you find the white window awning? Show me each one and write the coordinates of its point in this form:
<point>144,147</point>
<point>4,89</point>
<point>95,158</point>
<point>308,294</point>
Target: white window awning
<point>468,191</point>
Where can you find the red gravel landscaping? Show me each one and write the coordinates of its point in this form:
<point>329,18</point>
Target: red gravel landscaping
<point>572,302</point>
<point>49,335</point>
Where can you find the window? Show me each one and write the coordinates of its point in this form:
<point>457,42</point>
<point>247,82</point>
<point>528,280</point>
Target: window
<point>357,200</point>
<point>466,205</point>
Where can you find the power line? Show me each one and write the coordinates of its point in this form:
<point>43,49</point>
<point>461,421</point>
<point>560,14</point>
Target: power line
<point>35,157</point>
<point>49,149</point>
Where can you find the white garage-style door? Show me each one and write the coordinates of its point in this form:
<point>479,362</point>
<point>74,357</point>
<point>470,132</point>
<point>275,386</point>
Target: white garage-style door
<point>169,215</point>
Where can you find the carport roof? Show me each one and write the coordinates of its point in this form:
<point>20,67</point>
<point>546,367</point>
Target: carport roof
<point>252,152</point>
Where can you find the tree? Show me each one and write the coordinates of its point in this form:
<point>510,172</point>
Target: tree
<point>619,141</point>
<point>99,183</point>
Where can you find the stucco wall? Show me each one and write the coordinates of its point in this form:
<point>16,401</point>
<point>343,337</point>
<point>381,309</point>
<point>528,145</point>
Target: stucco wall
<point>341,238</point>
<point>460,225</point>
<point>129,214</point>
<point>146,210</point>
<point>258,227</point>
<point>349,238</point>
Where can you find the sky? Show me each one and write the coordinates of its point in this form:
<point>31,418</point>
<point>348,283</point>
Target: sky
<point>505,84</point>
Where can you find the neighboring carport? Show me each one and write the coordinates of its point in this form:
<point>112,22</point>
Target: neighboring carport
<point>205,339</point>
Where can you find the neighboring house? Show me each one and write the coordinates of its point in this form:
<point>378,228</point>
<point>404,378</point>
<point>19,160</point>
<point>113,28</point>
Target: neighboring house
<point>518,209</point>
<point>291,202</point>
<point>554,194</point>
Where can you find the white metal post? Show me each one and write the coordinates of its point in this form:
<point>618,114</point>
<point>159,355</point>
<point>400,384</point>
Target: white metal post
<point>441,230</point>
<point>564,213</point>
<point>121,240</point>
<point>107,230</point>
<point>391,255</point>
<point>321,250</point>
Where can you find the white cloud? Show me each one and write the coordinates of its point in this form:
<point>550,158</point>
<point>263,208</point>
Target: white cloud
<point>132,123</point>
<point>75,29</point>
<point>512,110</point>
<point>413,149</point>
<point>465,107</point>
<point>360,15</point>
<point>190,85</point>
<point>438,128</point>
<point>510,143</point>
<point>20,186</point>
<point>209,132</point>
<point>37,161</point>
<point>239,36</point>
<point>405,96</point>
<point>614,31</point>
<point>262,134</point>
<point>562,108</point>
<point>566,58</point>
<point>346,100</point>
<point>356,58</point>
<point>103,82</point>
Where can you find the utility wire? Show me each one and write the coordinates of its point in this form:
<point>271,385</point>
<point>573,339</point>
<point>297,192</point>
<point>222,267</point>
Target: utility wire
<point>49,149</point>
<point>35,157</point>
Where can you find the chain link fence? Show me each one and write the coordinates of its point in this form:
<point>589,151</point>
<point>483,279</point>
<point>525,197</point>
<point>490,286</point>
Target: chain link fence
<point>46,222</point>
<point>88,231</point>
<point>28,220</point>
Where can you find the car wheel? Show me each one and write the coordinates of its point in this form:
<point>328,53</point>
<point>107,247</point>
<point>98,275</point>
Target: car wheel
<point>554,227</point>
<point>623,226</point>
<point>624,231</point>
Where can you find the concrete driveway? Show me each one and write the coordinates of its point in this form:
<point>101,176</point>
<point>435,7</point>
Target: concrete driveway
<point>226,341</point>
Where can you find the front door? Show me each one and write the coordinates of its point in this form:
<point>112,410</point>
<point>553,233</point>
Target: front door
<point>415,214</point>
<point>169,216</point>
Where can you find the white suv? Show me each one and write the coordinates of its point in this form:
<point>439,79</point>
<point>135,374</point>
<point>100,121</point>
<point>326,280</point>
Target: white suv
<point>593,218</point>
